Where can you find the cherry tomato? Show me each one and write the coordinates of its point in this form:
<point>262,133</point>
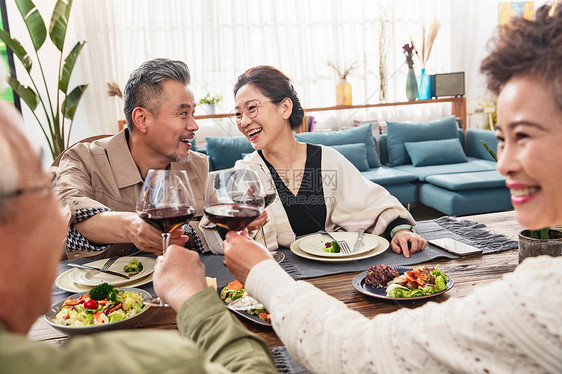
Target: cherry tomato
<point>90,304</point>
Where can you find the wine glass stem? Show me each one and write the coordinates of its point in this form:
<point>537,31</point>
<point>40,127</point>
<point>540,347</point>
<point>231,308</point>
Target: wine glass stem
<point>263,236</point>
<point>165,241</point>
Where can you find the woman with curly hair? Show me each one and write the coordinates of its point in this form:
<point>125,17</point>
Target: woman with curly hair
<point>511,325</point>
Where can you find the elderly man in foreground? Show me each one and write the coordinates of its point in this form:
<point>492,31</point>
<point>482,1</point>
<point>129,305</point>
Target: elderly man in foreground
<point>32,230</point>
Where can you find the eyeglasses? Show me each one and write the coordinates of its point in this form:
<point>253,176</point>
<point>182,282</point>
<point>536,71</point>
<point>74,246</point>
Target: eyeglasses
<point>43,188</point>
<point>250,109</point>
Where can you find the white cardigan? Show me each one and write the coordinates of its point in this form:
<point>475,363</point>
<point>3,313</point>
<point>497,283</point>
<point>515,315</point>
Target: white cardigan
<point>509,326</point>
<point>352,202</point>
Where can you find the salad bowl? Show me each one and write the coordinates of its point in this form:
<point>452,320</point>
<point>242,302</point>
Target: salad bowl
<point>123,324</point>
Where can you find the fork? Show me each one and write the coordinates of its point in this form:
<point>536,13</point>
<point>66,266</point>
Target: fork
<point>344,247</point>
<point>108,263</point>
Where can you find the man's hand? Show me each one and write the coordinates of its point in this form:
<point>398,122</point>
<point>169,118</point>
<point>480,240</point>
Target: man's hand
<point>406,242</point>
<point>149,239</point>
<point>241,253</point>
<point>258,222</point>
<point>178,276</point>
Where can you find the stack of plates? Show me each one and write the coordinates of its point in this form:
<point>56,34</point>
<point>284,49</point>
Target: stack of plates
<point>77,280</point>
<point>312,247</point>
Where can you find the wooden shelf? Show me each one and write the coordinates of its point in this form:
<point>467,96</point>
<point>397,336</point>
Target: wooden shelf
<point>458,108</point>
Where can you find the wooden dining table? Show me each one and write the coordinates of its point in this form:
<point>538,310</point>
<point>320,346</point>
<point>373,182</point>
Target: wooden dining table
<point>468,273</point>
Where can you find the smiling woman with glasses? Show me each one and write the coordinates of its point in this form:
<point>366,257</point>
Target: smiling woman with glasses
<point>249,109</point>
<point>318,188</point>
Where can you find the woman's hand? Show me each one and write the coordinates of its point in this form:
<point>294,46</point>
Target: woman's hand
<point>406,242</point>
<point>258,222</point>
<point>241,253</point>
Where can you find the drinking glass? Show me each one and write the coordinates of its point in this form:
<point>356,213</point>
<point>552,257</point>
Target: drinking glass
<point>270,194</point>
<point>166,202</point>
<point>234,198</point>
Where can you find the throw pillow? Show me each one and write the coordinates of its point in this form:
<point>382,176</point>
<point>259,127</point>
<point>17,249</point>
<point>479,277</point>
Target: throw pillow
<point>436,152</point>
<point>355,153</point>
<point>399,133</point>
<point>223,152</point>
<point>360,134</point>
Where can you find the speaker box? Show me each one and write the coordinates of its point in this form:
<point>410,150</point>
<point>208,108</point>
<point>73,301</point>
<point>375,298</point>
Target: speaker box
<point>449,84</point>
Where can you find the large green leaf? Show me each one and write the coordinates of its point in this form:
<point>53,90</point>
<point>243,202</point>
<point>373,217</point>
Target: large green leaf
<point>59,22</point>
<point>69,63</point>
<point>15,46</point>
<point>70,104</point>
<point>26,93</point>
<point>33,21</point>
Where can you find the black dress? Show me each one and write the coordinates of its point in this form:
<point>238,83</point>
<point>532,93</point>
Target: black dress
<point>307,209</point>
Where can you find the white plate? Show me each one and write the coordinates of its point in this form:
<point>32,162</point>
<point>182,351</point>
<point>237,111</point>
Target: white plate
<point>380,248</point>
<point>64,282</point>
<point>85,277</point>
<point>314,244</point>
<point>123,324</point>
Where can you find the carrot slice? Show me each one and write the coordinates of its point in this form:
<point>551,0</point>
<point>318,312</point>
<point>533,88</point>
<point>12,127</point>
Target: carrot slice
<point>114,308</point>
<point>103,302</point>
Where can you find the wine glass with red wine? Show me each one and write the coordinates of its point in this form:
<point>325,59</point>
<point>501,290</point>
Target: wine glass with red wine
<point>270,194</point>
<point>166,202</point>
<point>234,198</point>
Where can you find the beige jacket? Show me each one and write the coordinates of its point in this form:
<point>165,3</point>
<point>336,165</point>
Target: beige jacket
<point>352,203</point>
<point>103,174</point>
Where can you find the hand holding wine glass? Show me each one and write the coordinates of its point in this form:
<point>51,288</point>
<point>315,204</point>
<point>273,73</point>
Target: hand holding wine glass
<point>270,194</point>
<point>234,198</point>
<point>166,202</point>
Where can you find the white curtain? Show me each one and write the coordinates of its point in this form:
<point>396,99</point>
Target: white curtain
<point>220,39</point>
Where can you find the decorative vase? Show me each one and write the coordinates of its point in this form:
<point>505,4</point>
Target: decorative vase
<point>343,92</point>
<point>411,85</point>
<point>424,86</point>
<point>529,247</point>
<point>208,108</point>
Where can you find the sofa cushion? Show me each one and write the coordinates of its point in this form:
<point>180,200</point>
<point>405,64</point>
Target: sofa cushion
<point>355,153</point>
<point>456,203</point>
<point>223,152</point>
<point>468,181</point>
<point>435,152</point>
<point>473,164</point>
<point>399,133</point>
<point>386,176</point>
<point>360,134</point>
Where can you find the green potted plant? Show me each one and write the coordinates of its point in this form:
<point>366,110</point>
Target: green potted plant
<point>209,102</point>
<point>545,241</point>
<point>60,105</point>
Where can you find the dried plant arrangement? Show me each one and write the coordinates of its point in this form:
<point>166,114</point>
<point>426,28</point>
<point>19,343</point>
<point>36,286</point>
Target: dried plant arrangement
<point>343,71</point>
<point>114,90</point>
<point>427,41</point>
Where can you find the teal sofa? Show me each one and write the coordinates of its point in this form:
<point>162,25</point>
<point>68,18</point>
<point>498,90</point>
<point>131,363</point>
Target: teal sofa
<point>432,163</point>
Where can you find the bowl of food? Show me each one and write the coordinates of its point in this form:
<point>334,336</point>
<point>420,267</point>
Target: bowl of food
<point>100,309</point>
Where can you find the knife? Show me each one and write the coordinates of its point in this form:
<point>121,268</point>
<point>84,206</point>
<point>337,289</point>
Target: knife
<point>103,271</point>
<point>358,242</point>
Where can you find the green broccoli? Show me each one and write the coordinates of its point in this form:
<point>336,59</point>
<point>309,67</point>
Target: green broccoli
<point>104,291</point>
<point>133,267</point>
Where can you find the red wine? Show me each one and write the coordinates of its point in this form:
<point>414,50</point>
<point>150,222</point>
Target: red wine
<point>269,199</point>
<point>169,218</point>
<point>232,216</point>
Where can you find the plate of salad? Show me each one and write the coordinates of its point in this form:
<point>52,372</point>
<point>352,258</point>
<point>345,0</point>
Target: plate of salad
<point>402,283</point>
<point>102,308</point>
<point>238,301</point>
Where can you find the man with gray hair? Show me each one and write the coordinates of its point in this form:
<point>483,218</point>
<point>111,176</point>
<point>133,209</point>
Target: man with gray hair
<point>99,182</point>
<point>32,231</point>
